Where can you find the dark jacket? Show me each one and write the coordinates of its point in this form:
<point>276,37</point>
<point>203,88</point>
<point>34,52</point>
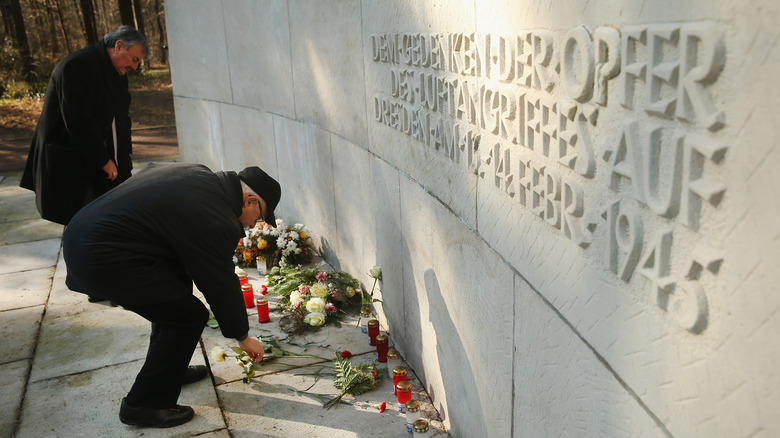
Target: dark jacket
<point>147,240</point>
<point>73,139</point>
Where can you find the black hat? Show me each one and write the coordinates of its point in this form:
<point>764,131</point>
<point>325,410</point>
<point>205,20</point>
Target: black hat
<point>266,187</point>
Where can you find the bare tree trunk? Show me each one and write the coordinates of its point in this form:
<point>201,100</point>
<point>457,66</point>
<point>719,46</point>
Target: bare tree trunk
<point>126,12</point>
<point>139,16</point>
<point>14,10</point>
<point>162,33</point>
<point>62,25</point>
<point>55,44</point>
<point>90,28</point>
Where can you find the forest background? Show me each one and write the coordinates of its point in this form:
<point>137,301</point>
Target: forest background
<point>36,34</point>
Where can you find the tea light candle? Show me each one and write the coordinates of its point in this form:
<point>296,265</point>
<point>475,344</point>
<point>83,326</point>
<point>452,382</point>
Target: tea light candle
<point>249,295</point>
<point>403,391</point>
<point>365,315</point>
<point>381,348</point>
<point>399,375</point>
<point>393,360</point>
<point>262,310</point>
<point>373,331</point>
<point>412,413</point>
<point>420,428</point>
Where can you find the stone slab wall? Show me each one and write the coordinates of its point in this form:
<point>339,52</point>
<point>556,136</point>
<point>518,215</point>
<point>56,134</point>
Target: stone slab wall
<point>574,203</point>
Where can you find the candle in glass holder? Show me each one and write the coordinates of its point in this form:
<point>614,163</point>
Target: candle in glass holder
<point>393,360</point>
<point>365,315</point>
<point>249,295</point>
<point>420,428</point>
<point>381,348</point>
<point>242,277</point>
<point>262,310</point>
<point>412,413</point>
<point>399,375</point>
<point>403,391</point>
<point>373,331</point>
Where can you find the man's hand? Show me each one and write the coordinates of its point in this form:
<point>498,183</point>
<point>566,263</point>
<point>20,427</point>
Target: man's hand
<point>110,169</point>
<point>253,347</point>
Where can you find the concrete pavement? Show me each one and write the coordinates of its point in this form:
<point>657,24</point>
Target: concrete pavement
<point>65,363</point>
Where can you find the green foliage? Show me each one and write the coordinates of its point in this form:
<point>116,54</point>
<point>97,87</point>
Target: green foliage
<point>351,379</point>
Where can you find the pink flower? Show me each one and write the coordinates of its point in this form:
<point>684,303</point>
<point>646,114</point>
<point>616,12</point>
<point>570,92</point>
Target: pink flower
<point>321,276</point>
<point>303,289</point>
<point>263,289</point>
<point>346,354</point>
<point>382,407</point>
<point>299,302</point>
<point>330,308</point>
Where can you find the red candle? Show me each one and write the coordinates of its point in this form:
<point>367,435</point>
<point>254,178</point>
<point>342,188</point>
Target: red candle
<point>373,331</point>
<point>403,390</point>
<point>399,375</point>
<point>262,310</point>
<point>249,295</point>
<point>243,279</point>
<point>381,348</point>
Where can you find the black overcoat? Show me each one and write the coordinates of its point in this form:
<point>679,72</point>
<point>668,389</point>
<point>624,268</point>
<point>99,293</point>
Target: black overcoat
<point>74,139</point>
<point>147,240</point>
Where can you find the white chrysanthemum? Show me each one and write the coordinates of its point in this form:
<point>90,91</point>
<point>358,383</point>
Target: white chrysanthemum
<point>314,319</point>
<point>280,242</point>
<point>247,242</point>
<point>235,260</point>
<point>315,305</point>
<point>293,235</point>
<point>297,251</point>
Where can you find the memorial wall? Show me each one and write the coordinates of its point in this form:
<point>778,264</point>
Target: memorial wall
<point>573,202</point>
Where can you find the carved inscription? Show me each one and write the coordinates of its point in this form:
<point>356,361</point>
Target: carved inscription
<point>521,111</point>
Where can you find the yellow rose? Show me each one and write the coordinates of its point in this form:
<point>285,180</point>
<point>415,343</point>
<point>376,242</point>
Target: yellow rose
<point>302,234</point>
<point>315,305</point>
<point>218,354</point>
<point>318,290</point>
<point>262,244</point>
<point>350,291</point>
<point>314,319</point>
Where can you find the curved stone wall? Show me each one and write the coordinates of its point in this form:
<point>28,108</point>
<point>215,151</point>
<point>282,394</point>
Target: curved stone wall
<point>573,203</point>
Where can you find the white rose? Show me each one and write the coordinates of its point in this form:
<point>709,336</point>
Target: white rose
<point>217,354</point>
<point>376,272</point>
<point>315,305</point>
<point>294,296</point>
<point>314,319</point>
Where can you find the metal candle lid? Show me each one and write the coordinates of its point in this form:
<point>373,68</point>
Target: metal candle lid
<point>404,386</point>
<point>262,301</point>
<point>246,287</point>
<point>399,371</point>
<point>365,311</point>
<point>420,425</point>
<point>413,405</point>
<point>393,354</point>
<point>373,323</point>
<point>381,339</point>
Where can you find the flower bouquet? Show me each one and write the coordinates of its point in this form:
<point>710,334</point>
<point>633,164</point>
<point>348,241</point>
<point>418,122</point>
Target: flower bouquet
<point>272,245</point>
<point>312,297</point>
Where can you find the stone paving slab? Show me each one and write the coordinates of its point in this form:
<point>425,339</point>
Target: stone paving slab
<point>272,407</point>
<point>18,204</point>
<point>89,340</point>
<point>13,377</point>
<point>27,230</point>
<point>25,289</point>
<point>18,329</point>
<point>28,256</point>
<point>87,405</point>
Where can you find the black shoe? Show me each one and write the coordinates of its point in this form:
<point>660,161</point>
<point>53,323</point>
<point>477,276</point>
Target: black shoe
<point>151,417</point>
<point>194,373</point>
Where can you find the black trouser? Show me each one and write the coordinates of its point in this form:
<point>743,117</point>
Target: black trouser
<point>176,329</point>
